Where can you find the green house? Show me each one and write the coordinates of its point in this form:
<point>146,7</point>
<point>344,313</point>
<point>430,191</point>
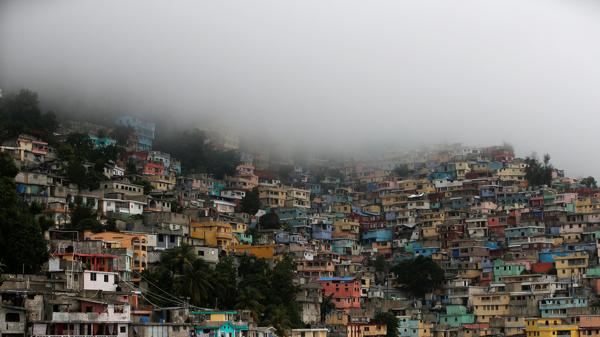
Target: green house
<point>456,316</point>
<point>502,269</point>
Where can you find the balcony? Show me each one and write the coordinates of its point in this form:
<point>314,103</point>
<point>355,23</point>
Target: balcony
<point>90,317</point>
<point>13,327</point>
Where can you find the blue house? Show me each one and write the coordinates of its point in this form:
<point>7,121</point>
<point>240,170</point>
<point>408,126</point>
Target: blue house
<point>377,235</point>
<point>557,307</point>
<point>145,131</point>
<point>322,231</point>
<point>102,141</point>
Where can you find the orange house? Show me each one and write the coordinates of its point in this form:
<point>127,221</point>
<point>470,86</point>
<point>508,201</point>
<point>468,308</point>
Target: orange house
<point>137,243</point>
<point>260,251</point>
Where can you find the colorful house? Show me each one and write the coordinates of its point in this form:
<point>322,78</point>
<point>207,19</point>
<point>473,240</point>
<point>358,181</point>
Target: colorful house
<point>216,234</point>
<point>345,291</point>
<point>548,327</point>
<point>218,324</point>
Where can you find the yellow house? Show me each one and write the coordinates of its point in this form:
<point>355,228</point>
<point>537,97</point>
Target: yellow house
<point>583,205</point>
<point>430,231</point>
<point>346,226</point>
<point>571,265</point>
<point>137,243</point>
<point>297,197</point>
<point>392,199</point>
<point>162,183</point>
<point>431,218</point>
<point>260,251</point>
<point>316,332</point>
<point>344,208</point>
<point>512,172</point>
<point>238,227</point>
<point>425,186</point>
<point>373,208</point>
<point>549,327</point>
<point>272,196</point>
<point>365,330</point>
<point>487,306</point>
<point>337,317</point>
<point>216,234</point>
<point>462,168</point>
<point>407,185</point>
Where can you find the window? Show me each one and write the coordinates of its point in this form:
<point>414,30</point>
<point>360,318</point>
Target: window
<point>172,239</point>
<point>105,278</point>
<point>123,329</point>
<point>12,317</point>
<point>93,276</point>
<point>161,238</point>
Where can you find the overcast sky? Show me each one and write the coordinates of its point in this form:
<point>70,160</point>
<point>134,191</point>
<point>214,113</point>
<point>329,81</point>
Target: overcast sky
<point>341,72</point>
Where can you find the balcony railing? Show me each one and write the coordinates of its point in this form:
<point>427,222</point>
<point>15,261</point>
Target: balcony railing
<point>90,317</point>
<point>13,326</point>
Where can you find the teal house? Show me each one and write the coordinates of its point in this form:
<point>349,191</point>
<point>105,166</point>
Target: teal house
<point>502,269</point>
<point>218,324</point>
<point>456,316</point>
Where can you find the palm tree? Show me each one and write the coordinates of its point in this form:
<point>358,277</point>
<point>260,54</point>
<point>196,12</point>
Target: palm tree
<point>280,320</point>
<point>327,306</point>
<point>195,282</point>
<point>250,299</point>
<point>178,259</point>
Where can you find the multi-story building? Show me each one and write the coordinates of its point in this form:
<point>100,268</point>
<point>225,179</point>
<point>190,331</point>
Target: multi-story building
<point>345,291</point>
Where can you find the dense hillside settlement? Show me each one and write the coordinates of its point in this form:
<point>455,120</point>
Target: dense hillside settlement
<point>111,230</point>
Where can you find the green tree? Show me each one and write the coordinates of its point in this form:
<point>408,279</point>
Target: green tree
<point>251,202</point>
<point>183,275</point>
<point>225,282</point>
<point>278,317</point>
<point>131,168</point>
<point>390,320</point>
<point>327,307</point>
<point>251,299</point>
<point>178,259</point>
<point>121,134</point>
<point>269,221</point>
<point>589,182</point>
<point>419,276</point>
<point>22,245</point>
<point>8,169</point>
<point>146,184</point>
<point>285,173</point>
<point>83,163</point>
<point>83,218</point>
<point>195,283</point>
<point>20,113</point>
<point>160,281</point>
<point>402,171</point>
<point>197,154</point>
<point>537,173</point>
<point>381,264</point>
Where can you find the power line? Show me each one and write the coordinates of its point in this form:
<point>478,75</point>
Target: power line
<point>157,287</point>
<point>176,301</point>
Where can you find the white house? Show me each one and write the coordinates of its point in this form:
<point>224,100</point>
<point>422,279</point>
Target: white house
<point>131,207</point>
<point>99,280</point>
